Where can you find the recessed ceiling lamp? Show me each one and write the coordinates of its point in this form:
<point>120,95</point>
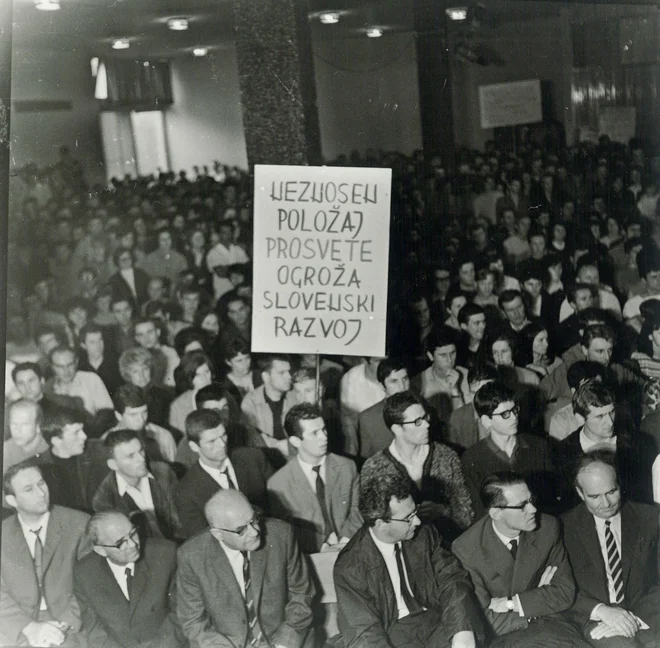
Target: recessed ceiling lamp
<point>374,32</point>
<point>200,51</point>
<point>177,24</point>
<point>121,43</point>
<point>329,18</point>
<point>47,5</point>
<point>457,13</point>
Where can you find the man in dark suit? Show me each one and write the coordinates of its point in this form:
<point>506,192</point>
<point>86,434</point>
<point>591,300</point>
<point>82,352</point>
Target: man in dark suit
<point>75,465</point>
<point>118,610</point>
<point>40,545</point>
<point>145,493</point>
<point>129,283</point>
<point>396,585</point>
<point>594,406</point>
<point>613,548</point>
<point>373,434</point>
<point>317,491</point>
<point>218,467</point>
<point>519,567</point>
<point>243,581</point>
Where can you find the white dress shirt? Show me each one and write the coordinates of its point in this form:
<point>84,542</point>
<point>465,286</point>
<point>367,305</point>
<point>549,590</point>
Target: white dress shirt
<point>31,539</point>
<point>587,444</point>
<point>415,469</point>
<point>386,550</point>
<point>310,474</point>
<point>141,494</point>
<point>119,572</point>
<point>218,473</point>
<point>235,558</point>
<point>507,543</point>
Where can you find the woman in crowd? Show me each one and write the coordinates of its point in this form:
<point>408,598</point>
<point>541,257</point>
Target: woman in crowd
<point>194,372</point>
<point>534,350</point>
<point>502,349</point>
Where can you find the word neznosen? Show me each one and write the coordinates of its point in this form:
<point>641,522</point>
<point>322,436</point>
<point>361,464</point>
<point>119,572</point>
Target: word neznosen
<point>302,191</point>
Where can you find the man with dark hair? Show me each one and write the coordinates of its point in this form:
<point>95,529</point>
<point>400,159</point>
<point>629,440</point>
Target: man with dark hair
<point>145,493</point>
<point>147,335</point>
<point>505,448</point>
<point>126,587</point>
<point>580,297</point>
<point>40,545</point>
<point>471,348</point>
<point>465,429</point>
<point>258,591</point>
<point>373,434</point>
<point>512,305</point>
<point>316,491</point>
<point>612,545</point>
<point>594,407</point>
<point>76,464</point>
<point>224,254</point>
<point>525,597</point>
<point>218,467</point>
<point>266,406</point>
<point>395,584</point>
<point>95,358</point>
<point>121,335</point>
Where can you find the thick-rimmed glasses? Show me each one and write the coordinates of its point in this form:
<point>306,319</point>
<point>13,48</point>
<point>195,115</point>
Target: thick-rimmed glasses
<point>408,519</point>
<point>241,530</point>
<point>506,414</point>
<point>523,505</point>
<point>132,536</point>
<point>418,421</point>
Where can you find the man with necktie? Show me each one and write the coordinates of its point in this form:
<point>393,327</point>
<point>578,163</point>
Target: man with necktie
<point>40,545</point>
<point>519,568</point>
<point>396,585</point>
<point>126,587</point>
<point>243,581</point>
<point>317,491</point>
<point>613,547</point>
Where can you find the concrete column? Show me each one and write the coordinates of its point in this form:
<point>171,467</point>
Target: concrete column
<point>276,74</point>
<point>567,115</point>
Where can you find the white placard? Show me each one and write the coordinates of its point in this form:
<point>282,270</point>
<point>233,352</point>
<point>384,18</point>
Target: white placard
<point>618,122</point>
<point>509,104</point>
<point>321,244</point>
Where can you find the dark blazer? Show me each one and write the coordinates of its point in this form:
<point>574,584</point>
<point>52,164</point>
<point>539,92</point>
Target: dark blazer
<point>365,596</point>
<point>121,290</point>
<point>639,556</point>
<point>210,604</point>
<point>291,498</point>
<point>494,572</point>
<point>19,595</point>
<point>635,455</point>
<point>165,523</point>
<point>197,487</point>
<point>373,434</point>
<point>463,430</point>
<point>108,371</point>
<point>148,620</point>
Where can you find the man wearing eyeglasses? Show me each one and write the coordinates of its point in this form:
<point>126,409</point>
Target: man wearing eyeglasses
<point>505,448</point>
<point>40,545</point>
<point>126,587</point>
<point>396,585</point>
<point>243,581</point>
<point>519,568</point>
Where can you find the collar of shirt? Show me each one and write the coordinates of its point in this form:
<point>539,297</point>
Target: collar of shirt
<point>615,524</point>
<point>310,474</point>
<point>414,468</point>
<point>520,443</point>
<point>236,561</point>
<point>505,541</point>
<point>123,485</point>
<point>30,537</point>
<point>385,548</point>
<point>587,444</point>
<point>119,572</point>
<point>218,473</point>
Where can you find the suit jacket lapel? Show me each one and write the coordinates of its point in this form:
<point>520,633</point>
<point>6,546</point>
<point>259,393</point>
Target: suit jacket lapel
<point>53,537</point>
<point>108,585</point>
<point>629,534</point>
<point>303,491</point>
<point>497,555</point>
<point>527,562</point>
<point>258,562</point>
<point>589,539</point>
<point>140,575</point>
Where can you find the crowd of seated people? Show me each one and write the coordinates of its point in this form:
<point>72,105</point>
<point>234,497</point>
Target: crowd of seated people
<point>491,481</point>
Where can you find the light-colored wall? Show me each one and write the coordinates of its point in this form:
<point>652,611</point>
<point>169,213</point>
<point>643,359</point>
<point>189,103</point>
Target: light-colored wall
<point>367,94</point>
<point>205,122</point>
<point>37,136</point>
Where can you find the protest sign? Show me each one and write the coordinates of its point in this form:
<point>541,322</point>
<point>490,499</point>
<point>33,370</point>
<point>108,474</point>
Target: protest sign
<point>510,104</point>
<point>321,243</point>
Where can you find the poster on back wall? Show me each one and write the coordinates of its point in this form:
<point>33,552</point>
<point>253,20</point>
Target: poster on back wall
<point>321,244</point>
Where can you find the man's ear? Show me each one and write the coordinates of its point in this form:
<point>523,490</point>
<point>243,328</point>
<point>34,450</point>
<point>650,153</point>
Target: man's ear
<point>429,355</point>
<point>464,327</point>
<point>100,551</point>
<point>486,421</point>
<point>117,416</point>
<point>495,513</point>
<point>580,419</point>
<point>396,429</point>
<point>579,492</point>
<point>193,446</point>
<point>112,464</point>
<point>295,441</point>
<point>584,350</point>
<point>11,500</point>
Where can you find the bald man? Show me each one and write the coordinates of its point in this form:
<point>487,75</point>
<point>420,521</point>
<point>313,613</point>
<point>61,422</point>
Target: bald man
<point>25,438</point>
<point>118,610</point>
<point>258,591</point>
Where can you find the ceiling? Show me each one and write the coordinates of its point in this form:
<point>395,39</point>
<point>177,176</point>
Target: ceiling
<point>92,25</point>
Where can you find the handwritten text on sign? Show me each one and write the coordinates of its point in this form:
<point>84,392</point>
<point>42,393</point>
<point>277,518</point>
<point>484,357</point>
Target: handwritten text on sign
<point>509,104</point>
<point>321,240</point>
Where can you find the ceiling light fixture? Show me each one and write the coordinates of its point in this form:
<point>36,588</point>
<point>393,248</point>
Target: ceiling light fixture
<point>178,24</point>
<point>374,32</point>
<point>329,18</point>
<point>457,13</point>
<point>200,51</point>
<point>47,5</point>
<point>121,43</point>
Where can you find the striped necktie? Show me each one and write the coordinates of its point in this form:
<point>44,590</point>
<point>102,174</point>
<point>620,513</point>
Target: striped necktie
<point>39,561</point>
<point>254,633</point>
<point>614,562</point>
